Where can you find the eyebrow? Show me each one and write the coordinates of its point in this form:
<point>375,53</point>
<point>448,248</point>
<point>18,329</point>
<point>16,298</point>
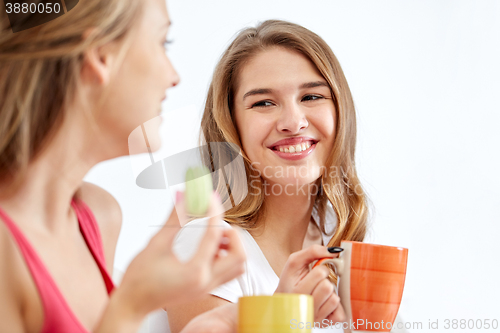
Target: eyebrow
<point>314,84</point>
<point>262,91</point>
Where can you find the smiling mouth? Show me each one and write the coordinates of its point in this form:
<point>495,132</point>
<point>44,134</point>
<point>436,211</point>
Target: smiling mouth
<point>295,155</point>
<point>297,148</point>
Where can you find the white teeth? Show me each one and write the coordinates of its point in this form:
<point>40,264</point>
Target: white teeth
<point>297,148</point>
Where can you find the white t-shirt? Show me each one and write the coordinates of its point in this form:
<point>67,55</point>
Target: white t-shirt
<point>258,279</point>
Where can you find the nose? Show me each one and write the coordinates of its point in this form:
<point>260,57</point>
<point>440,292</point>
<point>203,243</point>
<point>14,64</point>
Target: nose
<point>172,75</point>
<point>292,119</point>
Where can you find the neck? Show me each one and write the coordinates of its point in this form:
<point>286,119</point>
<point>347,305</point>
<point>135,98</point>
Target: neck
<point>44,196</point>
<point>286,220</point>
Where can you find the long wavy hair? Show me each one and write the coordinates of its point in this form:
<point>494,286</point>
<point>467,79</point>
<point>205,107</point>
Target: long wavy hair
<point>40,74</point>
<point>341,188</point>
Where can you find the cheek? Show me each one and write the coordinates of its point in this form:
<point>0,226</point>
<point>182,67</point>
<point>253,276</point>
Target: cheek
<point>142,81</point>
<point>324,120</point>
<point>145,68</point>
<point>245,138</point>
<point>253,132</point>
<point>160,68</point>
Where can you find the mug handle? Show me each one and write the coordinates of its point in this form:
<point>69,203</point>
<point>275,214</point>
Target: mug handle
<point>338,263</point>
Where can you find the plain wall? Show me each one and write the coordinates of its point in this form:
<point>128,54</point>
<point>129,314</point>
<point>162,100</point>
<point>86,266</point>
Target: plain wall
<point>425,81</point>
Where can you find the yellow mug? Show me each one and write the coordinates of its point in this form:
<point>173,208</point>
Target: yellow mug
<point>279,313</point>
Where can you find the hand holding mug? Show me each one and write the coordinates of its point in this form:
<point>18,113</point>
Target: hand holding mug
<point>298,278</point>
<point>371,282</point>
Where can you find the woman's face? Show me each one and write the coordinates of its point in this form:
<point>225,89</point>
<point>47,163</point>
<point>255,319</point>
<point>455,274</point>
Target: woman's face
<point>139,84</point>
<point>281,95</point>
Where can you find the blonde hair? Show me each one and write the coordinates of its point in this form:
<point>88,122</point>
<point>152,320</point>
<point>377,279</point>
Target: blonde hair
<point>342,189</point>
<point>40,72</point>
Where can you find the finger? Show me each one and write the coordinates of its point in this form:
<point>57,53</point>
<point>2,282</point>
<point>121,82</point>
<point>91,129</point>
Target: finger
<point>233,245</point>
<point>179,211</point>
<point>230,272</point>
<point>312,279</point>
<point>180,207</point>
<point>222,319</point>
<point>338,315</point>
<point>169,230</point>
<point>304,257</point>
<point>231,265</point>
<point>230,314</point>
<point>329,308</point>
<point>209,244</point>
<point>321,294</point>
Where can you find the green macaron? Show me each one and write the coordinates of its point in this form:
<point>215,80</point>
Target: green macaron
<point>198,190</point>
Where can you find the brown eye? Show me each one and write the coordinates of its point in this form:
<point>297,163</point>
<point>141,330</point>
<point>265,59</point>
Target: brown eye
<point>262,104</point>
<point>311,97</point>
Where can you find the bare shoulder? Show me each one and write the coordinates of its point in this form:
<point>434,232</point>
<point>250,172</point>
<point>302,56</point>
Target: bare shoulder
<point>108,215</point>
<point>104,206</point>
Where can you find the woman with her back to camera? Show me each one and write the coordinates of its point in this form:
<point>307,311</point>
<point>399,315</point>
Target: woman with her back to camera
<point>279,94</point>
<point>71,92</point>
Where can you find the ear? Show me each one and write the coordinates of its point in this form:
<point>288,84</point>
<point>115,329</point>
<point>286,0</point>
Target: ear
<point>98,62</point>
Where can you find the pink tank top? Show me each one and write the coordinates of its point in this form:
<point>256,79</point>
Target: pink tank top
<point>58,317</point>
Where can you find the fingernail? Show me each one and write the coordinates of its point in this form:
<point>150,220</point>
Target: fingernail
<point>335,249</point>
<point>217,195</point>
<point>178,196</point>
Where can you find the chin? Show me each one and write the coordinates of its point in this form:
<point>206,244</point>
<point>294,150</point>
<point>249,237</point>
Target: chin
<point>290,186</point>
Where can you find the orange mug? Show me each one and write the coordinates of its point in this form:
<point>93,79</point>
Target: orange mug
<point>371,282</point>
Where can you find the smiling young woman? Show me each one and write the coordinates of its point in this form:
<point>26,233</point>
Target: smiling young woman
<point>279,93</point>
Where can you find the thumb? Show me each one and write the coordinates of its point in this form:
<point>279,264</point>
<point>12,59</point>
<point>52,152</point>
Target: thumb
<point>170,229</point>
<point>210,242</point>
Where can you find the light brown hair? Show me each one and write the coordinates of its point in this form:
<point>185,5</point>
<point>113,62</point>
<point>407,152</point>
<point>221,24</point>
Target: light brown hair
<point>342,189</point>
<point>40,73</point>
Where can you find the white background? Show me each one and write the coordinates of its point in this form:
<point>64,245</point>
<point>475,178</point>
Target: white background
<point>425,81</point>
